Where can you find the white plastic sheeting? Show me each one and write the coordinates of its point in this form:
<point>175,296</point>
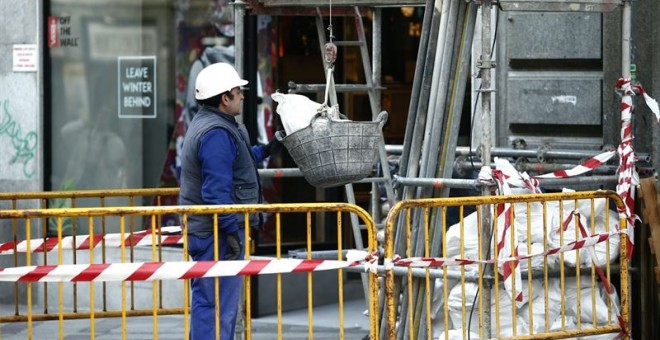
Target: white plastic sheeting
<point>296,111</point>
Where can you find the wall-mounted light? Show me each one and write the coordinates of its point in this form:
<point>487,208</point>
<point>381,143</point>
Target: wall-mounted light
<point>407,11</point>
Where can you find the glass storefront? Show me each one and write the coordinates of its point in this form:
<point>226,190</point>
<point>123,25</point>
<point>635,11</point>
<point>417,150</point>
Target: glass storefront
<point>119,85</point>
<point>111,92</point>
<point>120,95</point>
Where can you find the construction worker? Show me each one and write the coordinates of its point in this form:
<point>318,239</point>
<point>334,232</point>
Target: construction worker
<point>219,167</point>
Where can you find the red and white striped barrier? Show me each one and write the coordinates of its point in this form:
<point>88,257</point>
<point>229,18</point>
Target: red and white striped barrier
<point>502,176</point>
<point>628,176</point>
<point>506,233</point>
<point>150,271</point>
<point>431,262</point>
<point>583,168</point>
<point>167,235</point>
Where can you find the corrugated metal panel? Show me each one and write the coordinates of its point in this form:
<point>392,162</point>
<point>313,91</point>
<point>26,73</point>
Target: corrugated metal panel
<point>573,36</point>
<point>565,100</point>
<point>560,5</point>
<point>550,79</point>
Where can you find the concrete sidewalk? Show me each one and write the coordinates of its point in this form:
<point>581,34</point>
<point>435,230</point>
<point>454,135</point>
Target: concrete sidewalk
<point>294,326</point>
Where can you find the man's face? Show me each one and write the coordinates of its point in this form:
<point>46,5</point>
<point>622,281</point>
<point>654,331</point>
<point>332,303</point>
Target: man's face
<point>235,104</point>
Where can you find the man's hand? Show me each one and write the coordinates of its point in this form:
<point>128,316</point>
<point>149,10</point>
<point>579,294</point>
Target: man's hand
<point>234,246</point>
<point>275,146</point>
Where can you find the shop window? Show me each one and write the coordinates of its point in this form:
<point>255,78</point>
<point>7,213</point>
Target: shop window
<point>110,92</point>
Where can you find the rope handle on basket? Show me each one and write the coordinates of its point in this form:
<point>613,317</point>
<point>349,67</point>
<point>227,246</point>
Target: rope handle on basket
<point>324,109</point>
<point>382,119</point>
<point>334,114</point>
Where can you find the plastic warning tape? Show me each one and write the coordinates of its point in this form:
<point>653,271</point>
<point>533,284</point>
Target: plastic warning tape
<point>506,232</point>
<point>628,176</point>
<point>150,271</point>
<point>583,168</point>
<point>178,270</point>
<point>501,176</point>
<point>165,236</point>
<point>429,262</point>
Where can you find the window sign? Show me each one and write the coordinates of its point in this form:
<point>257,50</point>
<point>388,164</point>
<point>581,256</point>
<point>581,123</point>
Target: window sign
<point>136,77</point>
<point>25,58</point>
<point>60,33</point>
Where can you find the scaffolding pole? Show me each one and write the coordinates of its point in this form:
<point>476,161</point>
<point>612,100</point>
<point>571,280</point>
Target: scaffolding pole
<point>485,65</point>
<point>474,184</point>
<point>540,154</point>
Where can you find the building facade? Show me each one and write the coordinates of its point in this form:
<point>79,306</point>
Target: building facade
<point>94,94</point>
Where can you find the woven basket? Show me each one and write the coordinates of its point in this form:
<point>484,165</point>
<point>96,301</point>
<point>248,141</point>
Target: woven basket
<point>332,152</point>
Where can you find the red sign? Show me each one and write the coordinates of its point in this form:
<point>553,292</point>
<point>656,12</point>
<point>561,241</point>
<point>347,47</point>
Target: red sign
<point>53,32</point>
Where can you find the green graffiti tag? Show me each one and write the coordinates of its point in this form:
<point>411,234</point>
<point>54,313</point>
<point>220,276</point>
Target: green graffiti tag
<point>25,146</point>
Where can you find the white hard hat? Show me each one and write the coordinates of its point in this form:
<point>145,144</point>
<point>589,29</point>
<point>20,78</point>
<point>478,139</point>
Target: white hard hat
<point>215,79</point>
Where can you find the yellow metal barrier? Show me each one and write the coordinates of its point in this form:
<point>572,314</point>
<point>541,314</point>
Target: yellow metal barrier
<point>86,308</point>
<point>80,198</point>
<point>562,293</point>
<point>88,198</point>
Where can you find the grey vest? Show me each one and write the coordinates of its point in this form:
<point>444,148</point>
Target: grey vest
<point>246,185</point>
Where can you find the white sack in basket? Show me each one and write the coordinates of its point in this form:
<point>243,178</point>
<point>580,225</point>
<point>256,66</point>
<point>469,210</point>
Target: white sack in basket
<point>295,110</point>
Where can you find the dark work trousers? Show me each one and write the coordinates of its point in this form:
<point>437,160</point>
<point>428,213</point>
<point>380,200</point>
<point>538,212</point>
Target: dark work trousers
<point>202,314</point>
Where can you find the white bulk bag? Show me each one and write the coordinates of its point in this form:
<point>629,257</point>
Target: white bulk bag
<point>296,111</point>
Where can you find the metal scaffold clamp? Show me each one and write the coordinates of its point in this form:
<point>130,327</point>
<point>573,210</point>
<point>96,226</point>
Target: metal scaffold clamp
<point>485,64</point>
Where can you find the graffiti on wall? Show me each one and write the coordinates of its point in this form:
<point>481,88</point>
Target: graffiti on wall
<point>23,145</point>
